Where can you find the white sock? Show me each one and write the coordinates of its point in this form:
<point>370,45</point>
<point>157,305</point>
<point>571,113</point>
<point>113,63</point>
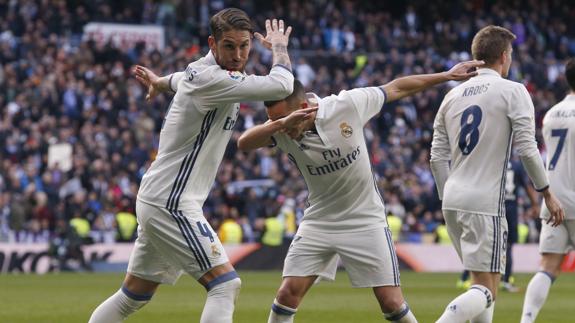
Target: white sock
<point>402,315</point>
<point>222,294</point>
<point>467,305</point>
<point>486,316</point>
<point>535,296</point>
<point>116,308</point>
<point>281,313</point>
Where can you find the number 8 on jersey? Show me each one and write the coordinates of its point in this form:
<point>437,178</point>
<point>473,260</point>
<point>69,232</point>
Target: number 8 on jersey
<point>469,135</point>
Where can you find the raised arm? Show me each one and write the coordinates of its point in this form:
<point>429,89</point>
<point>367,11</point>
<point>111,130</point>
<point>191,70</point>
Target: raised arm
<point>222,86</point>
<point>408,85</point>
<point>276,40</point>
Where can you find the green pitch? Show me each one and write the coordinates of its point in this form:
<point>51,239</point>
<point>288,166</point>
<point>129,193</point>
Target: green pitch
<point>62,298</point>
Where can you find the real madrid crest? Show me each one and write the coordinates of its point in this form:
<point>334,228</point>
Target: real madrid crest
<point>346,130</point>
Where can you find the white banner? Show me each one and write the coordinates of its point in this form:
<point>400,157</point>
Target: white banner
<point>443,258</point>
<point>60,156</point>
<point>125,35</point>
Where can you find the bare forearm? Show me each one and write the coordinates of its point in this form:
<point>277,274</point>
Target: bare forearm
<point>408,85</point>
<point>259,136</point>
<point>280,56</point>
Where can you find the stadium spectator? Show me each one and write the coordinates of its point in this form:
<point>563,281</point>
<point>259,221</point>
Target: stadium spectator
<point>44,59</point>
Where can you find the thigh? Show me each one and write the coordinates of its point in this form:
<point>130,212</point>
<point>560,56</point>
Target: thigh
<point>570,226</point>
<point>311,254</point>
<point>555,239</point>
<point>186,240</point>
<point>147,261</point>
<point>454,229</point>
<point>483,242</point>
<point>369,257</point>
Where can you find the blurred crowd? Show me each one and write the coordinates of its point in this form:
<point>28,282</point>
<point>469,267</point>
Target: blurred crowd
<point>60,89</point>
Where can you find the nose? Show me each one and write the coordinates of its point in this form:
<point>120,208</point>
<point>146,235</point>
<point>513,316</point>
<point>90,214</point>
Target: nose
<point>237,55</point>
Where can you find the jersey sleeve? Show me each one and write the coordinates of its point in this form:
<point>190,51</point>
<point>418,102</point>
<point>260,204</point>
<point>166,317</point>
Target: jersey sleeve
<point>440,151</point>
<point>174,79</point>
<point>522,116</point>
<point>368,101</point>
<point>222,86</point>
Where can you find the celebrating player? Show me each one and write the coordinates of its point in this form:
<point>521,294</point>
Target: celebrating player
<point>173,235</point>
<point>346,216</point>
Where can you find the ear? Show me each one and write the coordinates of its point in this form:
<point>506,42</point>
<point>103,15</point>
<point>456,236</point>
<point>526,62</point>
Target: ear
<point>212,44</point>
<point>504,56</point>
<point>303,105</point>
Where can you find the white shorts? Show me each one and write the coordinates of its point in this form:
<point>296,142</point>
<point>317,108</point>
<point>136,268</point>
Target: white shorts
<point>559,239</point>
<point>480,240</point>
<point>170,243</point>
<point>368,256</point>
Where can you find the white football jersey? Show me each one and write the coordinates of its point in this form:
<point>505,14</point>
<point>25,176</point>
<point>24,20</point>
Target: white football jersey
<point>197,129</point>
<point>473,129</point>
<point>335,163</point>
<point>559,136</point>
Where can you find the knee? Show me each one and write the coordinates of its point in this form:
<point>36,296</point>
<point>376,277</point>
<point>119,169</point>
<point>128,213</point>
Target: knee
<point>289,296</point>
<point>391,304</point>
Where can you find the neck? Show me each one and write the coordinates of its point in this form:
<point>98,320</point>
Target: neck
<point>497,68</point>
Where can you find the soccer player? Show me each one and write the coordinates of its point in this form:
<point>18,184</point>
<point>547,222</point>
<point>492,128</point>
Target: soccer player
<point>346,216</point>
<point>472,137</point>
<point>173,235</point>
<point>555,242</point>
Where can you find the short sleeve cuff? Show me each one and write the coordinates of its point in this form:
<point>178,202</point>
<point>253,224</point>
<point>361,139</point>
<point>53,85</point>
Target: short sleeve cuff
<point>170,83</point>
<point>274,142</point>
<point>384,95</point>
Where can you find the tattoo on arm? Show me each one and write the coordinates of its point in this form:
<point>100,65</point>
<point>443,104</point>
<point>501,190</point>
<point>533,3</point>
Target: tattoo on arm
<point>280,55</point>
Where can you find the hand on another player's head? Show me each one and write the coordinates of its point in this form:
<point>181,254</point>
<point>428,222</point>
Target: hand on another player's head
<point>275,34</point>
<point>557,214</point>
<point>464,70</point>
<point>149,79</point>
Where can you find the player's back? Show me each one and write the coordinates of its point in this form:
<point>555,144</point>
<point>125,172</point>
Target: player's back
<point>477,117</point>
<point>559,136</point>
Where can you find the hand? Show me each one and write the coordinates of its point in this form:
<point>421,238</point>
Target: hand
<point>294,118</point>
<point>149,80</point>
<point>464,70</point>
<point>557,214</point>
<point>275,34</point>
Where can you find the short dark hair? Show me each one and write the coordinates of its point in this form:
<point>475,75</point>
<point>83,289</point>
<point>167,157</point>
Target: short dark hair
<point>490,42</point>
<point>297,96</point>
<point>229,19</point>
<point>570,73</point>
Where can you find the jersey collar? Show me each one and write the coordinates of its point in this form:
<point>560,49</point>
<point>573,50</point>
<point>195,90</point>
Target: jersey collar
<point>319,118</point>
<point>487,71</point>
<point>210,59</point>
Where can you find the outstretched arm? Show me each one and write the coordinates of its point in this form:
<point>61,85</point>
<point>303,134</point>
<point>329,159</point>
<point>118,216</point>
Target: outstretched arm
<point>408,85</point>
<point>156,84</point>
